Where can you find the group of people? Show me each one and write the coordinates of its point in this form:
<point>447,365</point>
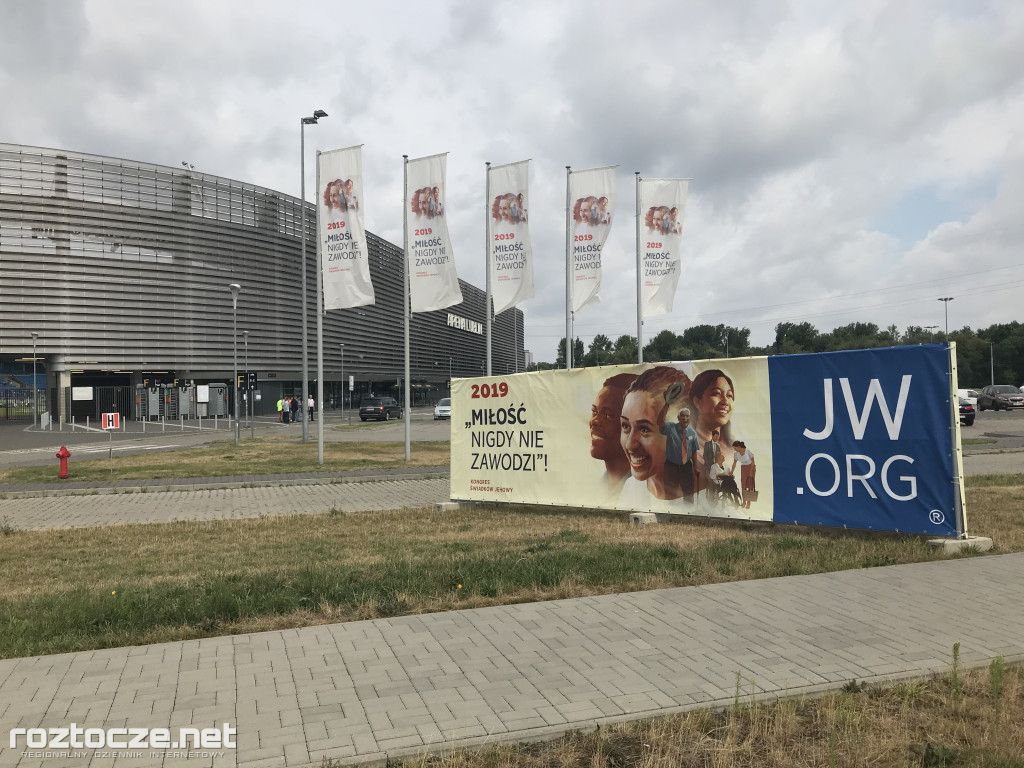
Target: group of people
<point>288,409</point>
<point>509,208</point>
<point>592,211</point>
<point>339,196</point>
<point>646,455</point>
<point>664,220</point>
<point>427,202</point>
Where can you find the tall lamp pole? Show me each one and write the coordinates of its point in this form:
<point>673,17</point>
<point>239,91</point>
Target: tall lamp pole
<point>35,394</point>
<point>248,391</point>
<point>945,303</point>
<point>992,360</point>
<point>344,384</point>
<point>317,114</point>
<point>235,288</point>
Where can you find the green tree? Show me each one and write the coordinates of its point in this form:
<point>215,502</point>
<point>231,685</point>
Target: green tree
<point>624,351</point>
<point>600,351</point>
<point>792,338</point>
<point>577,352</point>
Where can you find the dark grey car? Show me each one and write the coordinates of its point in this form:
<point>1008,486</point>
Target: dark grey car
<point>999,396</point>
<point>379,408</point>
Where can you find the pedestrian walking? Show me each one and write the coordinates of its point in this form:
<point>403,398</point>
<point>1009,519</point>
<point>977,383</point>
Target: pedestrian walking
<point>312,407</point>
<point>294,405</point>
<point>280,410</point>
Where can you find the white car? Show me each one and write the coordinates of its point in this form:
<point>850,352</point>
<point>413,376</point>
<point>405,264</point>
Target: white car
<point>970,395</point>
<point>443,409</point>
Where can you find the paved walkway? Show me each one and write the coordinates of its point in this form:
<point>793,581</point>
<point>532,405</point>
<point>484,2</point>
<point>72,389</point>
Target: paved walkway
<point>368,691</point>
<point>224,498</point>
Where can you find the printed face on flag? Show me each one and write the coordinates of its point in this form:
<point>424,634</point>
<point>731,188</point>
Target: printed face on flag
<point>592,211</point>
<point>427,203</point>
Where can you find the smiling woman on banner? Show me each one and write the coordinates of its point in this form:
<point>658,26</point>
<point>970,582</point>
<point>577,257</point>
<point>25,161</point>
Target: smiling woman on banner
<point>641,437</point>
<point>334,199</point>
<point>712,397</point>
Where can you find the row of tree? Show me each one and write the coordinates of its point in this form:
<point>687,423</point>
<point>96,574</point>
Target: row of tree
<point>987,355</point>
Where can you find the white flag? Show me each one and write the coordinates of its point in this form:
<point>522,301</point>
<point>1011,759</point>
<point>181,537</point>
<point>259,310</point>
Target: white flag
<point>662,205</point>
<point>433,283</point>
<point>509,236</point>
<point>344,261</point>
<point>592,194</point>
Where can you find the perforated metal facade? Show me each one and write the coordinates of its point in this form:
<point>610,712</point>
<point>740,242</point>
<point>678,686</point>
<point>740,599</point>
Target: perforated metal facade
<point>122,266</point>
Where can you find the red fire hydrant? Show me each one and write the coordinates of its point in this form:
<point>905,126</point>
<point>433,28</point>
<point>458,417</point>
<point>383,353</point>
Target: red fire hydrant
<point>63,454</point>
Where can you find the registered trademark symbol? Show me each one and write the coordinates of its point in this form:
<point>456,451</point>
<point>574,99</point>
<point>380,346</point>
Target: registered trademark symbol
<point>937,517</point>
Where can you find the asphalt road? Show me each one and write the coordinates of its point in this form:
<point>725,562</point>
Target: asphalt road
<point>993,445</point>
<point>21,445</point>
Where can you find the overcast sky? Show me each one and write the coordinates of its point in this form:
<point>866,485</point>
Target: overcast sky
<point>851,161</point>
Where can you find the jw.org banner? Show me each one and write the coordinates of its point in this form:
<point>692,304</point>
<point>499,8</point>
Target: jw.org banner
<point>863,439</point>
<point>509,235</point>
<point>662,205</point>
<point>344,261</point>
<point>592,197</point>
<point>433,282</point>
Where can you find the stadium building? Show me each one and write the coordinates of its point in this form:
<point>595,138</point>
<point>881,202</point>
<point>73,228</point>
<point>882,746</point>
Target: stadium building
<point>121,270</point>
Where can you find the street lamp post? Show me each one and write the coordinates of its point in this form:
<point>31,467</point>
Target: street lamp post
<point>249,412</point>
<point>945,303</point>
<point>343,382</point>
<point>992,360</point>
<point>235,288</point>
<point>303,122</point>
<point>35,394</point>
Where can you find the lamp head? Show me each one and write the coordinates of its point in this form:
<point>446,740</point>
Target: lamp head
<point>234,288</point>
<point>319,113</point>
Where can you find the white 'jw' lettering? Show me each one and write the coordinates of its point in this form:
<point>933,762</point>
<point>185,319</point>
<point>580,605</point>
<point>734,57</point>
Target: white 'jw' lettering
<point>859,421</point>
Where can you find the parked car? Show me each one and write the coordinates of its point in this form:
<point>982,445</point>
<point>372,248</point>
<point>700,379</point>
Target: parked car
<point>996,396</point>
<point>966,412</point>
<point>379,408</point>
<point>443,409</point>
<point>970,395</point>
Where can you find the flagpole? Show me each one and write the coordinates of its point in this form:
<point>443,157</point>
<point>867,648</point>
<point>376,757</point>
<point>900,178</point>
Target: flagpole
<point>487,261</point>
<point>568,271</point>
<point>319,329</point>
<point>639,281</point>
<point>405,302</point>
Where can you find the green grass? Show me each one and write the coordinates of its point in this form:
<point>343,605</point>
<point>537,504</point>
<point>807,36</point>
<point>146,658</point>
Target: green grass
<point>146,587</point>
<point>84,588</point>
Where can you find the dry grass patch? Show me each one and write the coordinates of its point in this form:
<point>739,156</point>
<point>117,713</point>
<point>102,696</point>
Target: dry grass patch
<point>905,725</point>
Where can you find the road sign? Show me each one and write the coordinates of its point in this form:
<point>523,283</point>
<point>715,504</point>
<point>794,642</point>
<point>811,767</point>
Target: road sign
<point>111,420</point>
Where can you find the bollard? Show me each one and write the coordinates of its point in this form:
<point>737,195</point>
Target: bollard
<point>63,455</point>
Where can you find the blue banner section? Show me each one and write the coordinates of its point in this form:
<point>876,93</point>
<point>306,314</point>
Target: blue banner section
<point>863,439</point>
